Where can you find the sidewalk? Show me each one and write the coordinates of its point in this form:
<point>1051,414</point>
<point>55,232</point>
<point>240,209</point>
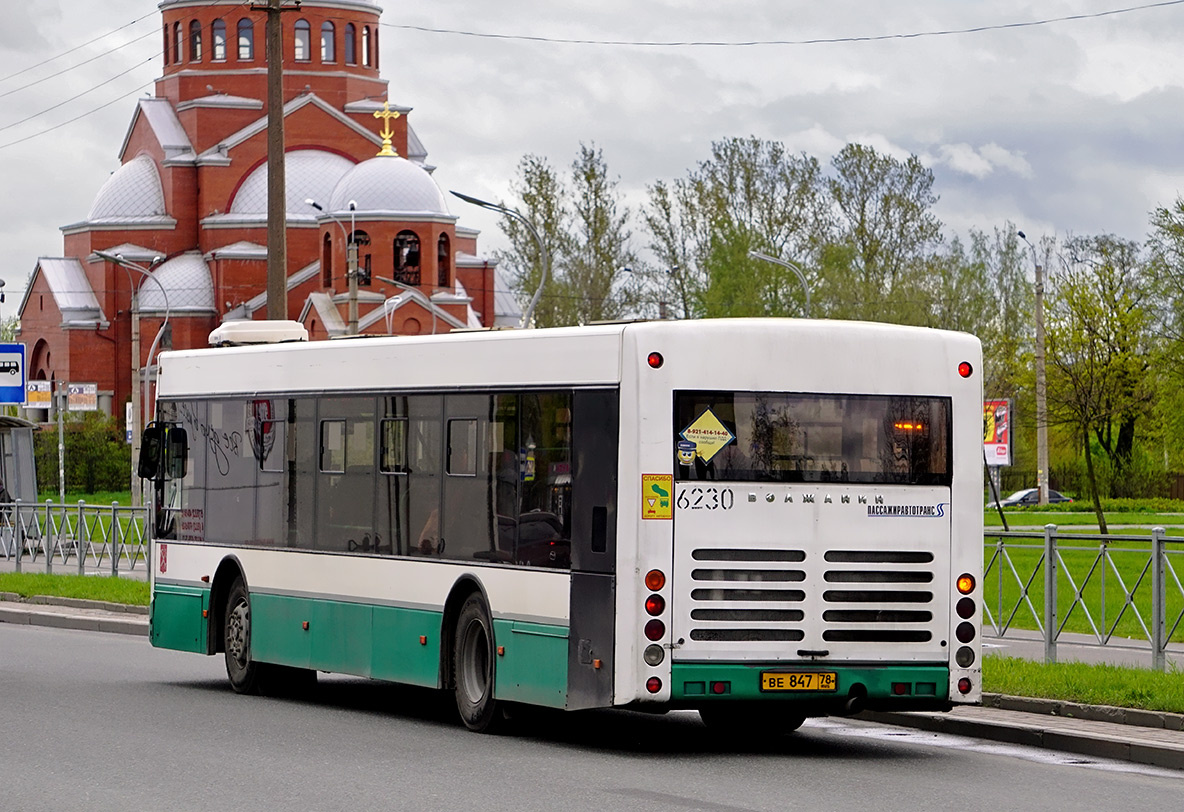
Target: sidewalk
<point>1142,737</point>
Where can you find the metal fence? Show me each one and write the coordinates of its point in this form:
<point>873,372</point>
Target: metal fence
<point>1113,589</point>
<point>74,537</point>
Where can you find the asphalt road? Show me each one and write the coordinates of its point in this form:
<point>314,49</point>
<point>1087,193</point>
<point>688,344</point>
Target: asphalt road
<point>104,722</point>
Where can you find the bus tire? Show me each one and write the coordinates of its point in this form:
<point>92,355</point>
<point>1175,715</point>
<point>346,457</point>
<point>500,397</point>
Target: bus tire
<point>753,722</point>
<point>474,667</point>
<point>246,675</point>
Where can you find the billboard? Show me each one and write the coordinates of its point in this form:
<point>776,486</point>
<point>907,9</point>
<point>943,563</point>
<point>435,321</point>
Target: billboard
<point>997,431</point>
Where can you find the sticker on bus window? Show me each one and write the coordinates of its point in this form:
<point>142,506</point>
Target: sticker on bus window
<point>686,452</point>
<point>709,435</point>
<point>655,496</point>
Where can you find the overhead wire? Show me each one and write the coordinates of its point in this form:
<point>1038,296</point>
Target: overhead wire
<point>77,47</point>
<point>93,110</point>
<point>78,65</point>
<point>754,43</point>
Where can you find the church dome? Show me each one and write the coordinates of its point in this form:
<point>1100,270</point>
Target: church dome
<point>308,173</point>
<point>133,192</point>
<point>389,185</point>
<point>187,281</point>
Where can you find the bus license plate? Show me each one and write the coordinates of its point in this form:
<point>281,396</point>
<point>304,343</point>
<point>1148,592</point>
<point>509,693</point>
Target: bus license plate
<point>798,681</point>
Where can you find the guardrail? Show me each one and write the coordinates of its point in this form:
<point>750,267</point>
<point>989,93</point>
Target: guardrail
<point>1112,588</point>
<point>74,536</point>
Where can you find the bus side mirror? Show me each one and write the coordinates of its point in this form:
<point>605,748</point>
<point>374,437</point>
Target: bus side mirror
<point>164,452</point>
<point>176,453</point>
<point>151,451</point>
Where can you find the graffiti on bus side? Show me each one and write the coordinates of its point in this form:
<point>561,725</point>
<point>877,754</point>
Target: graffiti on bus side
<point>221,445</point>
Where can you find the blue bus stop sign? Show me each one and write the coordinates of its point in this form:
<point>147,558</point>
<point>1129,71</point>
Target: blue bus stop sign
<point>12,373</point>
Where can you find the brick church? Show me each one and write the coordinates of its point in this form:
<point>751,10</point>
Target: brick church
<point>189,203</point>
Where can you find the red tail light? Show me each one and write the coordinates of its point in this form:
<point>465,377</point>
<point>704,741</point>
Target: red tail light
<point>655,630</point>
<point>655,604</point>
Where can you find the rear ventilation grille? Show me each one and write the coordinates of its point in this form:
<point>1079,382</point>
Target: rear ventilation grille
<point>742,592</point>
<point>869,596</point>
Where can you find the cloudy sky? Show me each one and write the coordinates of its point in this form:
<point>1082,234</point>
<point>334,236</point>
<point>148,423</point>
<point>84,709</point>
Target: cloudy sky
<point>1065,127</point>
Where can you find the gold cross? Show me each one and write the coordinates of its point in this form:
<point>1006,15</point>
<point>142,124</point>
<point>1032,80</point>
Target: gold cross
<point>387,114</point>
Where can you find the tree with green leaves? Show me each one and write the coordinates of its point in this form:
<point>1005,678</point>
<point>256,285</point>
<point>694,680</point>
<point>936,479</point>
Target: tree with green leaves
<point>1100,350</point>
<point>585,228</point>
<point>883,234</point>
<point>750,195</point>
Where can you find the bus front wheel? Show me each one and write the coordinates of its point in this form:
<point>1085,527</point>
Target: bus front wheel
<point>246,675</point>
<point>473,667</point>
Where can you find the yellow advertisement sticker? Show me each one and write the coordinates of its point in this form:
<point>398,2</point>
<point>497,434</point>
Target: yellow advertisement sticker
<point>709,435</point>
<point>656,500</point>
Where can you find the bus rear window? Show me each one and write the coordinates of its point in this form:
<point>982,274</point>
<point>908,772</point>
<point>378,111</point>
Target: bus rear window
<point>798,437</point>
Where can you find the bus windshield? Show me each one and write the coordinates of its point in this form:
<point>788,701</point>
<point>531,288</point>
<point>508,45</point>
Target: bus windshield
<point>804,437</point>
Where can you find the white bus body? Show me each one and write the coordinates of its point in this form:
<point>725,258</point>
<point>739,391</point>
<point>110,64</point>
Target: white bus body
<point>810,552</point>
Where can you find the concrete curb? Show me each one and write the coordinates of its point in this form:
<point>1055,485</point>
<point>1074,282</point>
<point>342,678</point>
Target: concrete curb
<point>74,613</point>
<point>1045,732</point>
<point>1094,713</point>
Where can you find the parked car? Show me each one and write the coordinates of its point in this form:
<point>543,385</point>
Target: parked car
<point>1030,496</point>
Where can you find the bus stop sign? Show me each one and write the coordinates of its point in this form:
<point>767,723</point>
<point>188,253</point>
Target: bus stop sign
<point>12,373</point>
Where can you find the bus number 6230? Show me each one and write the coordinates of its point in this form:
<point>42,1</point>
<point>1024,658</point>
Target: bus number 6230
<point>706,499</point>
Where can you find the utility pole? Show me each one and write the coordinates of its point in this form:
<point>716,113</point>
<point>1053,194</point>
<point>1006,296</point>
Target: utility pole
<point>1041,384</point>
<point>277,215</point>
<point>137,427</point>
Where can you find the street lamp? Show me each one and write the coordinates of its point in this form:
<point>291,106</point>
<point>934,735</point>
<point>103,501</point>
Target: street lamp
<point>793,267</point>
<point>351,259</point>
<point>139,384</point>
<point>1041,391</point>
<point>516,215</point>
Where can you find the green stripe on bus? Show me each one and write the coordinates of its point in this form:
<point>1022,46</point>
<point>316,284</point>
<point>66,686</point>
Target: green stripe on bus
<point>383,642</point>
<point>175,620</point>
<point>694,681</point>
<point>533,665</point>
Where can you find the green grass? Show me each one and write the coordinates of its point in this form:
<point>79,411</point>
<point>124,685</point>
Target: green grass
<point>1088,684</point>
<point>90,587</point>
<point>104,498</point>
<point>1033,518</point>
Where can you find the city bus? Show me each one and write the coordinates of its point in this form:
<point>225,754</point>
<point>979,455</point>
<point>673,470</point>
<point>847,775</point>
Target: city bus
<point>762,520</point>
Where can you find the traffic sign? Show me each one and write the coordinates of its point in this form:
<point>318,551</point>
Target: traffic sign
<point>82,397</point>
<point>12,373</point>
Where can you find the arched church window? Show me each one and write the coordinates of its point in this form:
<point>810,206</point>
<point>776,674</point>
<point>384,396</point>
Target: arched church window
<point>303,41</point>
<point>443,261</point>
<point>176,42</point>
<point>328,42</point>
<point>362,240</point>
<point>166,43</point>
<point>194,41</point>
<point>246,40</point>
<point>407,257</point>
<point>366,45</point>
<point>376,49</point>
<point>327,262</point>
<point>218,41</point>
<point>351,44</point>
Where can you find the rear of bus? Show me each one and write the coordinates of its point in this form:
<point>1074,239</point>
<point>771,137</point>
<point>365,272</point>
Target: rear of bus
<point>807,504</point>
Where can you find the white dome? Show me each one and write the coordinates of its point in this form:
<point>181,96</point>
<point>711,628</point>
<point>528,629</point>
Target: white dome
<point>308,173</point>
<point>133,192</point>
<point>187,281</point>
<point>389,185</point>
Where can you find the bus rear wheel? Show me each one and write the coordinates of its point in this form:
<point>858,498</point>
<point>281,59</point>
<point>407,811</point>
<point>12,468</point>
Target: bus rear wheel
<point>474,669</point>
<point>760,722</point>
<point>246,675</point>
